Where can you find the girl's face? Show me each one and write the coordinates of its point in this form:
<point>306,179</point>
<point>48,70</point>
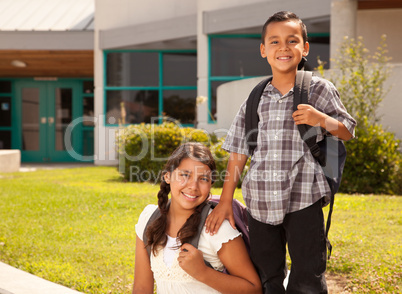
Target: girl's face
<point>190,184</point>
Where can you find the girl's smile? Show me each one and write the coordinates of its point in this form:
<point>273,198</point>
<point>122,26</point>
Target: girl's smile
<point>190,184</point>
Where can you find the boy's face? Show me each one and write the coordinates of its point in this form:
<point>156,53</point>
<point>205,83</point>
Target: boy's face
<point>284,46</point>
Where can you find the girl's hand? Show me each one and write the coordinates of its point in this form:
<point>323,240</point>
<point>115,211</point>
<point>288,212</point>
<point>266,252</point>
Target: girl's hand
<point>222,211</point>
<point>307,114</point>
<point>191,260</point>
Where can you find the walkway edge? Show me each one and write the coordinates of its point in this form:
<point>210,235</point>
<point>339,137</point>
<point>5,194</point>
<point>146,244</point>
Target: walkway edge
<point>15,281</point>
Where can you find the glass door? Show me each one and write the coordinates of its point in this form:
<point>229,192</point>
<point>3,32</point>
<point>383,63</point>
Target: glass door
<point>46,110</point>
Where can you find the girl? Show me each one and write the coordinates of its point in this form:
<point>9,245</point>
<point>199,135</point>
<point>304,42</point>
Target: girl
<point>177,266</point>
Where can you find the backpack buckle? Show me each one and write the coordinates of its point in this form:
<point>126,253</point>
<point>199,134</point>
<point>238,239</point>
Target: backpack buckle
<point>315,150</point>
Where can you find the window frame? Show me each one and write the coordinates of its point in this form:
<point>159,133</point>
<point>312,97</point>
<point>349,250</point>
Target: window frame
<point>160,88</point>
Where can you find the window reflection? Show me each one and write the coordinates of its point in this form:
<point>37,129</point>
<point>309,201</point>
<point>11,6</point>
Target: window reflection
<point>5,139</point>
<point>5,112</point>
<point>319,47</point>
<point>126,69</point>
<point>88,87</point>
<point>214,87</point>
<point>63,114</point>
<point>88,111</point>
<point>237,57</point>
<point>180,69</point>
<point>5,86</point>
<point>30,119</point>
<point>180,105</point>
<point>131,106</point>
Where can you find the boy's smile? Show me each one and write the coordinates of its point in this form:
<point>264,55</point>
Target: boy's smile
<point>284,46</point>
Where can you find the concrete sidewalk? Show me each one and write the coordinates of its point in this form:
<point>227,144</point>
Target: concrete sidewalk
<point>28,167</point>
<point>15,281</point>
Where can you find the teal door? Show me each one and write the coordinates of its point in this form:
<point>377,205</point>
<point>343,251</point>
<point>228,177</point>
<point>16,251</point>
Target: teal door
<point>45,110</point>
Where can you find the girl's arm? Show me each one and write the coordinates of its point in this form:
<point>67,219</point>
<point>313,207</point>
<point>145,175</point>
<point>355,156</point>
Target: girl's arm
<point>224,209</point>
<point>143,276</point>
<point>243,277</point>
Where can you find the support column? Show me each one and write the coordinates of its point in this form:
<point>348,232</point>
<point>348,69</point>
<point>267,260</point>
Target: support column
<point>343,23</point>
<point>202,69</point>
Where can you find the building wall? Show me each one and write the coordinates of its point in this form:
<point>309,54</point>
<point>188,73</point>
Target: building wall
<point>371,24</point>
<point>121,13</point>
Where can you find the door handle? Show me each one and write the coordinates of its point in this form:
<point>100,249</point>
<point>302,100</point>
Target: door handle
<point>43,120</point>
<point>51,119</point>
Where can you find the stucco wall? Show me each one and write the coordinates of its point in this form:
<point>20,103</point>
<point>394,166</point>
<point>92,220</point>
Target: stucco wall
<point>371,24</point>
<point>231,95</point>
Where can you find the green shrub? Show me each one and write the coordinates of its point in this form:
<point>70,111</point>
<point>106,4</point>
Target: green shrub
<point>145,148</point>
<point>373,162</point>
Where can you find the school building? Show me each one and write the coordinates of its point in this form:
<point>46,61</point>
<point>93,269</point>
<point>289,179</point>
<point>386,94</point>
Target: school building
<point>72,71</point>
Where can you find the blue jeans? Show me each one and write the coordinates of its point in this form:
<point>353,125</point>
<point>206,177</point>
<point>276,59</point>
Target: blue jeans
<point>304,232</point>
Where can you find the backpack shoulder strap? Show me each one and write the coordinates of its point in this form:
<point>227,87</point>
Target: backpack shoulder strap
<point>251,117</point>
<point>201,226</point>
<point>154,216</point>
<point>301,94</point>
<point>203,218</point>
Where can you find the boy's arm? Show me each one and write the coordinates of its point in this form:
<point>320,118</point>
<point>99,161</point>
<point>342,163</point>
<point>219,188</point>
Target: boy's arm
<point>224,210</point>
<point>307,114</point>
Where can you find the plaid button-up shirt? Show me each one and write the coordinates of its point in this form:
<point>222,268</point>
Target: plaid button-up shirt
<point>283,176</point>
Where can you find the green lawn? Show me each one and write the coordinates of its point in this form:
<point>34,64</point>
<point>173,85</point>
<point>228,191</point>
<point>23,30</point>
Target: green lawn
<point>76,227</point>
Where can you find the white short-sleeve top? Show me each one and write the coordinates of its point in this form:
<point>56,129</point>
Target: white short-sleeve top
<point>169,276</point>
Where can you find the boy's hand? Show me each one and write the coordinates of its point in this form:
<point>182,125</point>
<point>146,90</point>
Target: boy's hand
<point>307,114</point>
<point>191,260</point>
<point>221,212</point>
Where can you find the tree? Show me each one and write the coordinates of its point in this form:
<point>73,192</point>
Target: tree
<point>373,164</point>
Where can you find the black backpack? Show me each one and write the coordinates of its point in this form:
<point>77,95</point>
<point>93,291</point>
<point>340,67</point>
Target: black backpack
<point>330,153</point>
<point>239,213</point>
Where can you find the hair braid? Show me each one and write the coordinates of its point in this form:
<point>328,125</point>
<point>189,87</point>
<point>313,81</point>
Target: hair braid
<point>190,227</point>
<point>156,231</point>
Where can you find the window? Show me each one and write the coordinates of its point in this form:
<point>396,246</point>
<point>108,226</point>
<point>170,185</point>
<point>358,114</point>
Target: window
<point>319,47</point>
<point>6,109</point>
<point>141,85</point>
<point>88,118</point>
<point>233,57</point>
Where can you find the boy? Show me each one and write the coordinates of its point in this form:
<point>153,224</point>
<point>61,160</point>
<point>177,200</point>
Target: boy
<point>285,188</point>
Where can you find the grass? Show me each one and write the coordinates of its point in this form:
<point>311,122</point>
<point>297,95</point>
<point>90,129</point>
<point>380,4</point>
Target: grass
<point>75,227</point>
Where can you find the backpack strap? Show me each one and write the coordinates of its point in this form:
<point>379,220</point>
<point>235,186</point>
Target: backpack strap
<point>251,117</point>
<point>309,135</point>
<point>154,216</point>
<point>204,214</point>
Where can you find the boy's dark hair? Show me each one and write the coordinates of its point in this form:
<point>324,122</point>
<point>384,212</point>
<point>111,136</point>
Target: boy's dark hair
<point>283,16</point>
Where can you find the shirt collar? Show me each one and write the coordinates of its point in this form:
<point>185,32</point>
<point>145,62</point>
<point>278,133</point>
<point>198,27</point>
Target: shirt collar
<point>270,90</point>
